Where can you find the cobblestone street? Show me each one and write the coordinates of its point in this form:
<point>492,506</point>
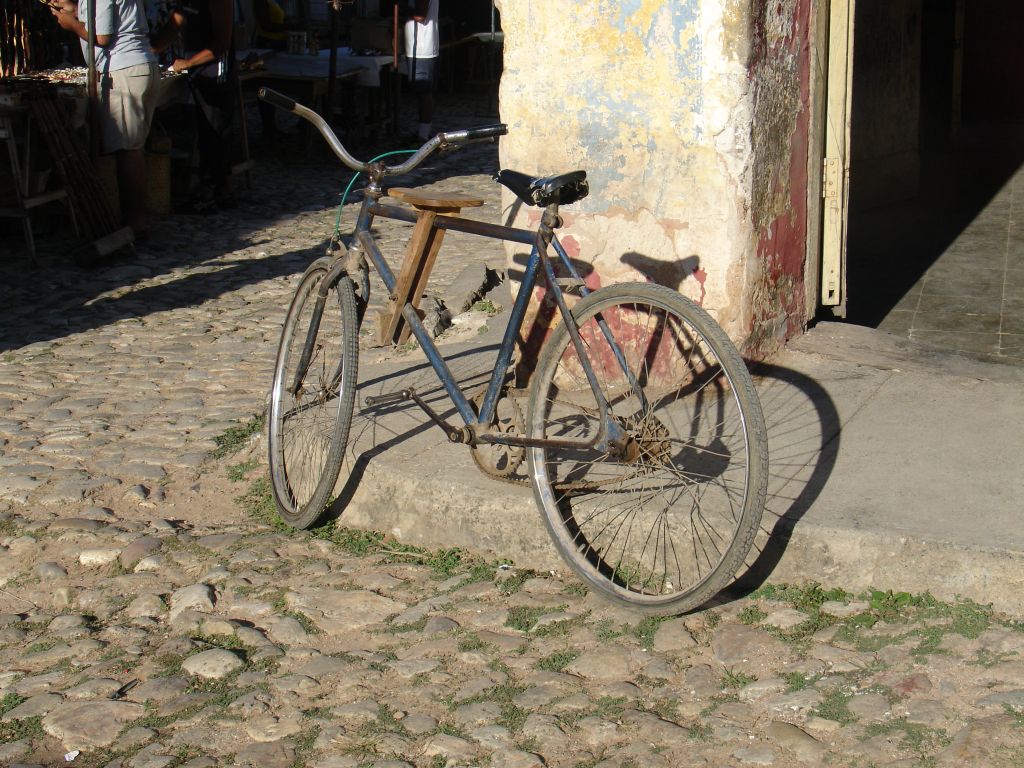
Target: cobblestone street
<point>152,615</point>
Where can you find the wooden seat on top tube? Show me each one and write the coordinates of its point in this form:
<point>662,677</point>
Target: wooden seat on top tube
<point>419,258</point>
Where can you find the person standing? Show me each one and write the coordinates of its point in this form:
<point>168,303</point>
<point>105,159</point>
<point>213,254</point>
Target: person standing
<point>272,28</point>
<point>209,62</point>
<point>129,80</point>
<point>422,47</point>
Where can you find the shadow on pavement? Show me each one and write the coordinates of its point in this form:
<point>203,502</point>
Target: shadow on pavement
<point>374,430</point>
<point>803,434</point>
<point>189,260</point>
<point>803,442</point>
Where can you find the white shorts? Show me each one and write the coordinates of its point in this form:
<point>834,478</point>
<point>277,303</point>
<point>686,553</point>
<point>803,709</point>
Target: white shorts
<point>129,97</point>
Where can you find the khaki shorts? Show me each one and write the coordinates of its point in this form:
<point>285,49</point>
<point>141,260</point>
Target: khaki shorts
<point>129,98</point>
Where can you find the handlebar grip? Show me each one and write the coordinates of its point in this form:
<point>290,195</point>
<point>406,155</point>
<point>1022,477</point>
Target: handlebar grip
<point>473,134</point>
<point>278,100</point>
<point>486,132</point>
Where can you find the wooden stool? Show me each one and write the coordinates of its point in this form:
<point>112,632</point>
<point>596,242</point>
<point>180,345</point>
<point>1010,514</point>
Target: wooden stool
<point>21,173</point>
<point>419,258</point>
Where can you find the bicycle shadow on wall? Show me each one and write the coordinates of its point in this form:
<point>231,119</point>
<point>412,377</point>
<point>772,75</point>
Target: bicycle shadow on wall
<point>671,274</point>
<point>538,328</point>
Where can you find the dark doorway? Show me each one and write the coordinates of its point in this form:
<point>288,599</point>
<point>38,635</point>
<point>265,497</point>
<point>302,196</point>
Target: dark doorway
<point>936,140</point>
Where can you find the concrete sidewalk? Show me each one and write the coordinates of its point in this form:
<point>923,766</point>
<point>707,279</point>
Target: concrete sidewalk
<point>892,466</point>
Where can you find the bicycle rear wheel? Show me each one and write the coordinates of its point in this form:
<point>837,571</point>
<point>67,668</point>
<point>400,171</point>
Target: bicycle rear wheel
<point>663,523</point>
<point>310,413</point>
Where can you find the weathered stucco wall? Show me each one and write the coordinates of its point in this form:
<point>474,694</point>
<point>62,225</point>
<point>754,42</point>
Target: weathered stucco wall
<point>654,100</point>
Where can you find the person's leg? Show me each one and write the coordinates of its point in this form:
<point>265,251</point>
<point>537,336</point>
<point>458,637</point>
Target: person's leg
<point>426,113</point>
<point>130,106</point>
<point>422,84</point>
<point>131,181</point>
<point>215,112</point>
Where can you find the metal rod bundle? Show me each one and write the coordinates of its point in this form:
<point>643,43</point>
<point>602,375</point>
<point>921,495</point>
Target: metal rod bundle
<point>25,34</point>
<point>88,197</point>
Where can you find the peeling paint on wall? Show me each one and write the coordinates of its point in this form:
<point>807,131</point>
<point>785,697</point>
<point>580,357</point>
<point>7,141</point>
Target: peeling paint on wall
<point>780,69</point>
<point>653,99</point>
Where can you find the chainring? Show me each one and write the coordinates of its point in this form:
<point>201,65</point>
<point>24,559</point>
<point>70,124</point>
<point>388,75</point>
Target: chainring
<point>501,461</point>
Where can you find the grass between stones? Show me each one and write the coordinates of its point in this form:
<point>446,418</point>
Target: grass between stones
<point>363,745</point>
<point>470,641</point>
<point>304,621</point>
<point>238,472</point>
<point>258,503</point>
<point>797,681</point>
<point>9,702</point>
<point>752,614</point>
<point>962,617</point>
<point>913,736</point>
<point>488,306</point>
<point>26,728</point>
<point>41,645</point>
<point>523,618</point>
<point>234,439</point>
<point>1016,714</point>
<point>835,706</point>
<point>558,660</point>
<point>8,527</point>
<point>303,743</point>
<point>733,679</point>
<point>606,708</point>
<point>415,626</point>
<point>666,708</point>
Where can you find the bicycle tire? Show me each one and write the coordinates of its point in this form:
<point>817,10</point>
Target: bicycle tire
<point>676,475</point>
<point>308,429</point>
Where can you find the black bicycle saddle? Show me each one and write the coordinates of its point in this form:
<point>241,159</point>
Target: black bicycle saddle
<point>542,191</point>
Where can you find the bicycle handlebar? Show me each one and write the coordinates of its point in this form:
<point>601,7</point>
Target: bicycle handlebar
<point>441,140</point>
<point>276,99</point>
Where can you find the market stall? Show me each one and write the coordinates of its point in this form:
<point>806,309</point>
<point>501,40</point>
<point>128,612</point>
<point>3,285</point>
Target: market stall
<point>43,111</point>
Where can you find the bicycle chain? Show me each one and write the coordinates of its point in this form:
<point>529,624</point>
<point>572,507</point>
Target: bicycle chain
<point>505,476</point>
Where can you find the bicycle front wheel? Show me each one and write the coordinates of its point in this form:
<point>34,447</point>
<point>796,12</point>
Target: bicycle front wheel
<point>311,405</point>
<point>663,520</point>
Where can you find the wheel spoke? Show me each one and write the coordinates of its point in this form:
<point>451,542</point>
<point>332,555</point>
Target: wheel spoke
<point>667,518</point>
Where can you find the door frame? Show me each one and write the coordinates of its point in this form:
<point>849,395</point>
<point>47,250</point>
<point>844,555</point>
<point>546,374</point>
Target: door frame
<point>830,157</point>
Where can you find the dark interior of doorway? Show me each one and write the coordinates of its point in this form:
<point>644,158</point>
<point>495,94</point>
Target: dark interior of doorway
<point>897,230</point>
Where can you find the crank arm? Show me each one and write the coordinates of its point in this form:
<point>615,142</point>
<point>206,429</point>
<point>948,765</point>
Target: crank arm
<point>455,434</point>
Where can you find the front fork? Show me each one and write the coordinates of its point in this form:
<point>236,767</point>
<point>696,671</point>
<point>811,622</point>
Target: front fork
<point>353,264</point>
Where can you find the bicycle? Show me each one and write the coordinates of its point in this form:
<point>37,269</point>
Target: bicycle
<point>643,438</point>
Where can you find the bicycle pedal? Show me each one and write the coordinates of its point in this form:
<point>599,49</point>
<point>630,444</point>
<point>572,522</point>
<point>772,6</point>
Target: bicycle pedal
<point>391,398</point>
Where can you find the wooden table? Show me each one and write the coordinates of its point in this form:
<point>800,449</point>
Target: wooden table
<point>290,72</point>
<point>303,78</point>
<point>379,80</point>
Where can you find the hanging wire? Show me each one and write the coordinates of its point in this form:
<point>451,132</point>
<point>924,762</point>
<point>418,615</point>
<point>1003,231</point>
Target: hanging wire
<point>344,195</point>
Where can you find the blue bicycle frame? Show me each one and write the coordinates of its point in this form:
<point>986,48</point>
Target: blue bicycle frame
<point>610,436</point>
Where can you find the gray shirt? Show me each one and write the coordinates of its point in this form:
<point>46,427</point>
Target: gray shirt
<point>125,21</point>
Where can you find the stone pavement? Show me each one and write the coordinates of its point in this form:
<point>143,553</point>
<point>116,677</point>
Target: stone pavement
<point>151,614</point>
<point>171,643</point>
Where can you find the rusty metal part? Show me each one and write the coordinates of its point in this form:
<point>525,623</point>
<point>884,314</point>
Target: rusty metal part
<point>648,449</point>
<point>495,460</point>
